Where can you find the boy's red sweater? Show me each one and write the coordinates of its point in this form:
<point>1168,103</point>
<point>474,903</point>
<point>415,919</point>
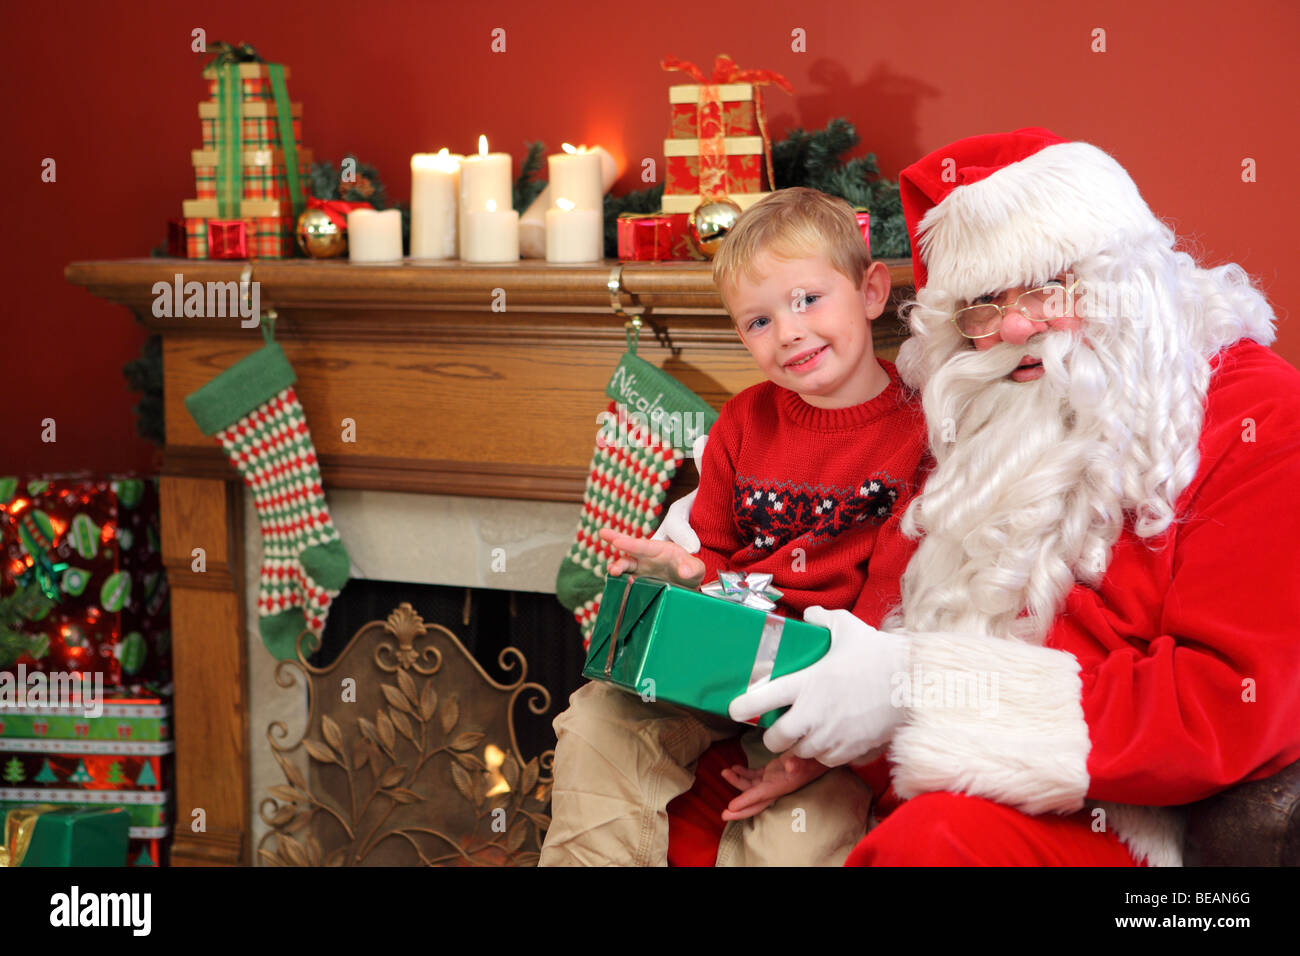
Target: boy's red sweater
<point>812,495</point>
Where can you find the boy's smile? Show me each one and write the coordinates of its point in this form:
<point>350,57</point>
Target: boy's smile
<point>808,328</point>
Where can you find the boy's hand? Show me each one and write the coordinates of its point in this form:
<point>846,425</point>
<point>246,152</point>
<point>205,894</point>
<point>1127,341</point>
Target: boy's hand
<point>659,559</point>
<point>784,774</point>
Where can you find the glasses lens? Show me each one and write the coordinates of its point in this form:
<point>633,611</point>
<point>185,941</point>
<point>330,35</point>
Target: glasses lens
<point>978,320</point>
<point>1044,304</point>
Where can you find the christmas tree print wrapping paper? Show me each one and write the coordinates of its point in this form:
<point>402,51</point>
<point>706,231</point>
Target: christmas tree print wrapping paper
<point>94,543</point>
<point>696,649</point>
<point>61,757</point>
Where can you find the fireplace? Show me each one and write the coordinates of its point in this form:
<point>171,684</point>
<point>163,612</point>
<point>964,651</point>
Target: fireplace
<point>465,421</point>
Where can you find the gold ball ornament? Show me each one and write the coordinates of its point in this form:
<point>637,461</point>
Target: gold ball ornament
<point>319,236</point>
<point>710,223</point>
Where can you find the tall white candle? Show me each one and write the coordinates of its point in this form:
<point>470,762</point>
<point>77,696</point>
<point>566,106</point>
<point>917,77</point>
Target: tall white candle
<point>435,183</point>
<point>489,226</point>
<point>532,225</point>
<point>375,236</point>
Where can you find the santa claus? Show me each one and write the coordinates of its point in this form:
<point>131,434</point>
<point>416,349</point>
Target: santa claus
<point>1101,619</point>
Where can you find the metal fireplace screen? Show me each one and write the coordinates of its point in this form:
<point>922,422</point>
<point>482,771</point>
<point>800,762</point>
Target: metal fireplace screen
<point>413,757</point>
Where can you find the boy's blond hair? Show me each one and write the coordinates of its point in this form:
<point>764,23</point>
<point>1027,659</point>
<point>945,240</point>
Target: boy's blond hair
<point>792,224</point>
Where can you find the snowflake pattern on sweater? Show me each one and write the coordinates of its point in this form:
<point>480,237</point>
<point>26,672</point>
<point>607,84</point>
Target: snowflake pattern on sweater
<point>774,514</point>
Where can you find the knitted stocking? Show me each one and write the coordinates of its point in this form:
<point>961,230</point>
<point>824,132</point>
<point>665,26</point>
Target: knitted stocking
<point>635,460</point>
<point>251,409</point>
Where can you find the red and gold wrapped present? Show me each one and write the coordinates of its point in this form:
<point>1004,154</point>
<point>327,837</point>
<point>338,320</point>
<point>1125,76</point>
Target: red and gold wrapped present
<point>736,111</point>
<point>248,208</point>
<point>259,125</point>
<point>254,81</point>
<point>688,203</point>
<point>264,173</point>
<point>715,162</point>
<point>86,551</point>
<point>657,236</point>
<point>738,169</point>
<point>228,239</point>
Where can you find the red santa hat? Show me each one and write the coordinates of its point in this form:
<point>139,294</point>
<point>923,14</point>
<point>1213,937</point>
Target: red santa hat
<point>991,212</point>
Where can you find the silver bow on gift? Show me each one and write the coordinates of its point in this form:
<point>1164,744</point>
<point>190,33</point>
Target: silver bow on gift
<point>752,590</point>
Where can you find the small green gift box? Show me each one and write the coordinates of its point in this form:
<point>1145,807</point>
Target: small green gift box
<point>699,650</point>
<point>67,836</point>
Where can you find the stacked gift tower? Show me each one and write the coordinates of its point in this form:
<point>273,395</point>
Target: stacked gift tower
<point>718,148</point>
<point>63,758</point>
<point>252,174</point>
<point>84,598</point>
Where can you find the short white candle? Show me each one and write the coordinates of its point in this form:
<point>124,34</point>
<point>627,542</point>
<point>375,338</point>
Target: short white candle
<point>374,236</point>
<point>574,235</point>
<point>435,183</point>
<point>491,235</point>
<point>532,225</point>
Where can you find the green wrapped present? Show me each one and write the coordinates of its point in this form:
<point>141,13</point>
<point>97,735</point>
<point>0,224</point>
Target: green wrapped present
<point>66,836</point>
<point>699,650</point>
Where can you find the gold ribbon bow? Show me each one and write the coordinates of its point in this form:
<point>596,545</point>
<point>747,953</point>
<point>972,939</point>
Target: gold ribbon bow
<point>20,824</point>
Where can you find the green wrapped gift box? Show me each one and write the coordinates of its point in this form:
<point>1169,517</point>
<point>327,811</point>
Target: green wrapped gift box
<point>694,649</point>
<point>73,836</point>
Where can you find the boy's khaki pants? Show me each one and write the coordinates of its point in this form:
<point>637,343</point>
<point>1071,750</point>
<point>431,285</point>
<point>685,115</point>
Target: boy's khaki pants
<point>620,760</point>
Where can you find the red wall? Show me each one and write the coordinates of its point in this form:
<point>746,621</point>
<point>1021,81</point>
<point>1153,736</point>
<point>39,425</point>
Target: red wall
<point>1180,97</point>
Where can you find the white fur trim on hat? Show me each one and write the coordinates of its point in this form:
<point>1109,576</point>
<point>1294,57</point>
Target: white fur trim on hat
<point>1026,747</point>
<point>1032,219</point>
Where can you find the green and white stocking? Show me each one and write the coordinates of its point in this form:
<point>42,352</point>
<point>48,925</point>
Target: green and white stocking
<point>649,426</point>
<point>253,412</point>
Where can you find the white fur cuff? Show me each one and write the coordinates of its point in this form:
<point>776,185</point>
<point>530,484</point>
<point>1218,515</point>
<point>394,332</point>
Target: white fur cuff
<point>992,718</point>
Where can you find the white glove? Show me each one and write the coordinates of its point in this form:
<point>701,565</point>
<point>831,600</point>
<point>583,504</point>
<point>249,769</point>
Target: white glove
<point>676,526</point>
<point>840,706</point>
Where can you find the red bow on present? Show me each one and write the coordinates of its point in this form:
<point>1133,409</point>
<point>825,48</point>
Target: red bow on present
<point>337,209</point>
<point>709,117</point>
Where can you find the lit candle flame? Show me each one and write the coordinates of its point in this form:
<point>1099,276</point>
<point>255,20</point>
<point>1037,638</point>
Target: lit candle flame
<point>564,204</point>
<point>569,148</point>
<point>491,205</point>
<point>493,757</point>
<point>482,144</point>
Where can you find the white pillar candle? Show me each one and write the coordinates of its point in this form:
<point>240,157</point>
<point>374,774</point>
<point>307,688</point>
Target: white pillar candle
<point>375,236</point>
<point>491,235</point>
<point>574,235</point>
<point>435,183</point>
<point>532,225</point>
<point>485,186</point>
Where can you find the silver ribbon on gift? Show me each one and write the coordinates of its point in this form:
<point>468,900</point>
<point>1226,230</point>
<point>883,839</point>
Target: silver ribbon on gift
<point>751,590</point>
<point>769,642</point>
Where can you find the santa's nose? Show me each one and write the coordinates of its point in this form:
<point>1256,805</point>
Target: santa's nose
<point>1017,328</point>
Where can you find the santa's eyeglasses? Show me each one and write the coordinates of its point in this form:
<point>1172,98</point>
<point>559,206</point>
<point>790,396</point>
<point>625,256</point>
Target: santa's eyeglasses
<point>1043,304</point>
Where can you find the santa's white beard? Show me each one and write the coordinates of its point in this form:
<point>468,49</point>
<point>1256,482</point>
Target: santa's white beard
<point>1026,494</point>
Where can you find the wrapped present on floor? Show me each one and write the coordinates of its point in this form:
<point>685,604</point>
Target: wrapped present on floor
<point>700,649</point>
<point>81,579</point>
<point>70,757</point>
<point>47,835</point>
<point>719,145</point>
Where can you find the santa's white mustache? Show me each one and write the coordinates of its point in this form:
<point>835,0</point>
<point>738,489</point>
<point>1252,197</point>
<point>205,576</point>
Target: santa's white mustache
<point>987,365</point>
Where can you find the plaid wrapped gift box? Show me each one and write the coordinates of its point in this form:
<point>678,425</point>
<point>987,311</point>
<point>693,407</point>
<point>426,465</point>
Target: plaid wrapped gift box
<point>264,173</point>
<point>259,127</point>
<point>254,82</point>
<point>267,237</point>
<point>736,112</point>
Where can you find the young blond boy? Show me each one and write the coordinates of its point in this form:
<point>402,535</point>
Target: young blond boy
<point>799,475</point>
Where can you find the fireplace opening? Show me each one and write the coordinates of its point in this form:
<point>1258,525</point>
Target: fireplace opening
<point>486,620</point>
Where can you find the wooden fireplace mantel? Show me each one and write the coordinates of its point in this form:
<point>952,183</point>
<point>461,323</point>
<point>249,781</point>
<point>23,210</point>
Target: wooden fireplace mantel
<point>446,395</point>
